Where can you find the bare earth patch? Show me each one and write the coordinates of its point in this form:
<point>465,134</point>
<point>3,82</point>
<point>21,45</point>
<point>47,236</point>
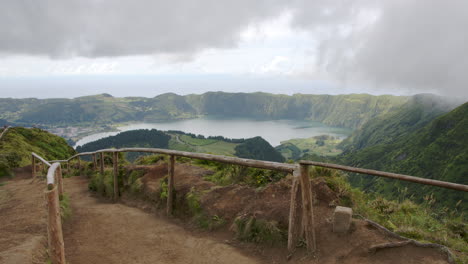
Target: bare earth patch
<point>103,232</point>
<point>23,229</point>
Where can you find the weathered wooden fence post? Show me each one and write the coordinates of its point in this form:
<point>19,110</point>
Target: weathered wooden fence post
<point>102,162</point>
<point>116,173</point>
<point>170,184</point>
<point>54,227</point>
<point>94,162</point>
<point>307,209</point>
<point>68,168</point>
<point>43,169</point>
<point>59,180</point>
<point>33,166</point>
<point>295,212</point>
<point>79,165</point>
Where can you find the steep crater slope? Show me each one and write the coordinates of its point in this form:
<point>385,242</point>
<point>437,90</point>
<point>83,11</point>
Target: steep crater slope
<point>437,150</point>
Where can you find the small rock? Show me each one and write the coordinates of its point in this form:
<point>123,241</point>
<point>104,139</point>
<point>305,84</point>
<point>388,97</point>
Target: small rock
<point>342,219</point>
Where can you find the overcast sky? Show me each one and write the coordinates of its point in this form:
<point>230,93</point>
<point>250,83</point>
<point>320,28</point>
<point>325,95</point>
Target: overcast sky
<point>56,48</point>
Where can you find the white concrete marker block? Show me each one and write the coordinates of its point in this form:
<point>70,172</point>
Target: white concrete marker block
<point>342,219</point>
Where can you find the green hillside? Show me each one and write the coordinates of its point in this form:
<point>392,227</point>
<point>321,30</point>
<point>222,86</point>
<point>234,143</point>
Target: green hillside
<point>258,148</point>
<point>296,148</point>
<point>439,150</point>
<point>18,143</point>
<point>254,148</point>
<point>415,114</point>
<point>350,111</point>
<point>142,138</point>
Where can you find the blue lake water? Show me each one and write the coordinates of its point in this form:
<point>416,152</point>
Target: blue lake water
<point>274,131</point>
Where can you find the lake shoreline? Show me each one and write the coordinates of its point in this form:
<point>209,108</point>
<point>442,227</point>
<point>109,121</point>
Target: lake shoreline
<point>274,131</point>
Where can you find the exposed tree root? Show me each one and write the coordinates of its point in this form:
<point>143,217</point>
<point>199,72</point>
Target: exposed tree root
<point>406,241</point>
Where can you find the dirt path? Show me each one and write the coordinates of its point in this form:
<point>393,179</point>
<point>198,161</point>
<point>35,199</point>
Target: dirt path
<point>22,220</point>
<point>102,232</point>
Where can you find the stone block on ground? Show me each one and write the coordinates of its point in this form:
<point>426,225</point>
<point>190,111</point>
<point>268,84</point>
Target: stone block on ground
<point>342,218</point>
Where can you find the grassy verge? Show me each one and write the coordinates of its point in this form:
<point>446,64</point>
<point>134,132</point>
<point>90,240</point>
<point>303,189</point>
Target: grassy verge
<point>226,174</point>
<point>102,183</point>
<point>65,209</point>
<point>200,218</point>
<point>319,145</point>
<point>259,231</point>
<point>421,222</point>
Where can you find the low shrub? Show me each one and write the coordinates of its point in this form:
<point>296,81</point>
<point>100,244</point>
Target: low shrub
<point>259,230</point>
<point>65,209</point>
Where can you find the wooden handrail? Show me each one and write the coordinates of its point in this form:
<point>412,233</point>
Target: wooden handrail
<point>41,159</point>
<point>282,166</point>
<point>53,161</point>
<point>443,184</point>
<point>219,158</point>
<point>51,173</point>
<point>4,131</point>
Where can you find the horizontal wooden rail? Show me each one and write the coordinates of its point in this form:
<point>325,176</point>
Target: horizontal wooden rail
<point>41,159</point>
<point>4,132</point>
<point>219,158</point>
<point>51,175</point>
<point>448,185</point>
<point>53,161</point>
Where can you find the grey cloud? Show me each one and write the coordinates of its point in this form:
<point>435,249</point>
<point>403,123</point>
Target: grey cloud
<point>414,44</point>
<point>94,28</point>
<point>419,43</point>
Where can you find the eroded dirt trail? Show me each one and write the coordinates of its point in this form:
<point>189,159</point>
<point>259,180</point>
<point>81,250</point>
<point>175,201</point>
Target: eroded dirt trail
<point>102,232</point>
<point>22,220</point>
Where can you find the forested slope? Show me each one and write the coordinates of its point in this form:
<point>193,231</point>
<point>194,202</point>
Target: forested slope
<point>438,150</point>
<point>413,115</point>
<point>254,148</point>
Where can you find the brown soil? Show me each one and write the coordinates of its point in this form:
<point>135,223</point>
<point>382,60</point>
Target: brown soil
<point>22,220</point>
<point>103,232</point>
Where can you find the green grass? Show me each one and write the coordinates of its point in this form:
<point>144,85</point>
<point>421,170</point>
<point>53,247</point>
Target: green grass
<point>212,146</point>
<point>200,218</point>
<point>196,141</point>
<point>226,174</point>
<point>422,222</point>
<point>219,148</point>
<point>20,142</point>
<point>102,184</point>
<point>259,231</point>
<point>149,159</point>
<point>175,145</point>
<point>134,181</point>
<point>313,145</point>
<point>65,209</point>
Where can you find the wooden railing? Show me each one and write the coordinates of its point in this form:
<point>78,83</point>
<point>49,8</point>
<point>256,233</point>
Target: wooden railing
<point>53,195</point>
<point>4,131</point>
<point>443,184</point>
<point>301,216</point>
